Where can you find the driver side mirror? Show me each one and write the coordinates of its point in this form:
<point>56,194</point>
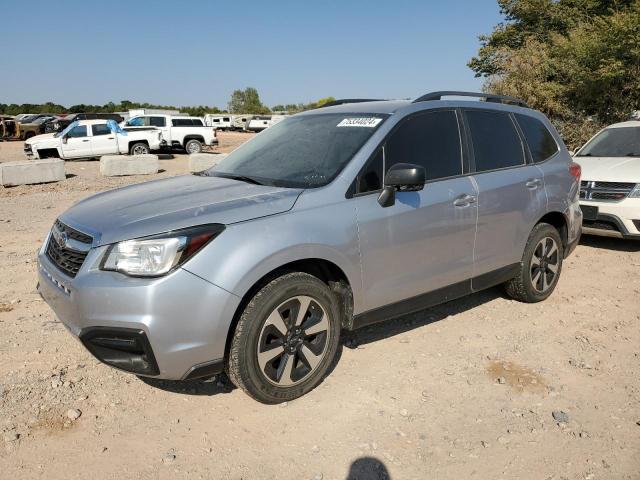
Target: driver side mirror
<point>401,177</point>
<point>65,138</point>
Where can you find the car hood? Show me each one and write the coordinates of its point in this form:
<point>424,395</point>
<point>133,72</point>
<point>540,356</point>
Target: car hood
<point>45,137</point>
<point>170,204</point>
<point>610,169</point>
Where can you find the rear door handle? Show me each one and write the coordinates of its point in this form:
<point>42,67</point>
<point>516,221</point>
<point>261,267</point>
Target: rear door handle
<point>464,200</point>
<point>533,183</point>
<point>85,140</point>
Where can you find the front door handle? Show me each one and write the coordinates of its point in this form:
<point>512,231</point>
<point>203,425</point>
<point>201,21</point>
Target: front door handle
<point>533,183</point>
<point>464,200</point>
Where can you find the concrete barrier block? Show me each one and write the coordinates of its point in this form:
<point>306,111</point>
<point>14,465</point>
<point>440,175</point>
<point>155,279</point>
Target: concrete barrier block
<point>27,172</point>
<point>199,162</point>
<point>119,165</point>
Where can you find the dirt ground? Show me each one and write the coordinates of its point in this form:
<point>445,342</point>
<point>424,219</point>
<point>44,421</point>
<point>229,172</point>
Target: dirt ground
<point>483,387</point>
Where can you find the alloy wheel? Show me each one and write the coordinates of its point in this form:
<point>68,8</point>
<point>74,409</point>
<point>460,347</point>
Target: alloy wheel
<point>293,341</point>
<point>544,264</point>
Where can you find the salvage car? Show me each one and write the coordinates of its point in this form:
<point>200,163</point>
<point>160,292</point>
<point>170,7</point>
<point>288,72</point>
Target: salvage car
<point>63,123</point>
<point>92,138</point>
<point>189,133</point>
<point>610,191</point>
<point>9,128</point>
<point>331,220</point>
<point>36,127</point>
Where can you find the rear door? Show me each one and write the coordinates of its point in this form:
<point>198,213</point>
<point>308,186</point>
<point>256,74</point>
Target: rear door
<point>161,123</point>
<point>103,140</point>
<point>511,195</point>
<point>425,241</point>
<point>76,143</point>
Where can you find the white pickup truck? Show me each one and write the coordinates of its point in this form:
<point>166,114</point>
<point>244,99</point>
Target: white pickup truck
<point>189,133</point>
<point>92,138</point>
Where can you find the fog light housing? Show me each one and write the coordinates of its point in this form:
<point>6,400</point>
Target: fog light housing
<point>126,349</point>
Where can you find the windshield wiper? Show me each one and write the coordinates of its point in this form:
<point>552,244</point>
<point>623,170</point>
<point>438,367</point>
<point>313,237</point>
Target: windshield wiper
<point>241,178</point>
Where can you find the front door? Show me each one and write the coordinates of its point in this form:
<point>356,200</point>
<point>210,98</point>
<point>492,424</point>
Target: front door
<point>76,143</point>
<point>425,241</point>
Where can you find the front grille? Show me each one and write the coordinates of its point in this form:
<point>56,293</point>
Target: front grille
<point>75,234</point>
<point>61,251</point>
<point>605,191</point>
<point>600,225</point>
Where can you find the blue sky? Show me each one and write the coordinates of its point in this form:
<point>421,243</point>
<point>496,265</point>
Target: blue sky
<point>197,52</point>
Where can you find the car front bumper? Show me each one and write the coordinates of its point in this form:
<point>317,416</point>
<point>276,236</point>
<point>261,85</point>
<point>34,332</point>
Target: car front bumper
<point>612,219</point>
<point>173,327</point>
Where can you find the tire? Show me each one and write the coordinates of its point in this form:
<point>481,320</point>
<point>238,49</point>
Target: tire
<point>283,372</point>
<point>193,146</point>
<point>139,149</point>
<point>543,253</point>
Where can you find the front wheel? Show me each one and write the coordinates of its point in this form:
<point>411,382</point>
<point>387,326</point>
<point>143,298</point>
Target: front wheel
<point>139,149</point>
<point>193,146</point>
<point>286,339</point>
<point>540,267</point>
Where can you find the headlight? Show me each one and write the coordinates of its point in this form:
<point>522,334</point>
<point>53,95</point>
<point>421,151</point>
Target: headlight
<point>159,254</point>
<point>635,193</point>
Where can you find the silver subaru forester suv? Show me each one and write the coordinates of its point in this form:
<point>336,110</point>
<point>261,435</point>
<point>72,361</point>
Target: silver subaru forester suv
<point>334,218</point>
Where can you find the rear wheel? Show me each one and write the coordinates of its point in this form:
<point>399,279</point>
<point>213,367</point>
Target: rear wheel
<point>286,339</point>
<point>139,149</point>
<point>193,146</point>
<point>540,267</point>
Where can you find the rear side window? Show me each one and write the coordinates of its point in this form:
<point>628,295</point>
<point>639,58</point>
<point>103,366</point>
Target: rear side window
<point>197,122</point>
<point>496,143</point>
<point>181,122</point>
<point>101,129</point>
<point>541,143</point>
<point>157,121</point>
<point>429,139</point>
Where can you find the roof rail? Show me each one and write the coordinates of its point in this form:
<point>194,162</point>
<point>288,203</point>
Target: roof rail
<point>349,100</point>
<point>487,97</point>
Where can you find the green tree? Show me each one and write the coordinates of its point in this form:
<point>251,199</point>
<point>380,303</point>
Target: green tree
<point>246,101</point>
<point>578,61</point>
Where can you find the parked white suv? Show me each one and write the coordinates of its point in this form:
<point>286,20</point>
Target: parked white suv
<point>610,189</point>
<point>92,138</point>
<point>189,133</point>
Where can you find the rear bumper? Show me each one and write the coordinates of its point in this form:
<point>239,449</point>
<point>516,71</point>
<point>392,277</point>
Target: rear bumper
<point>173,327</point>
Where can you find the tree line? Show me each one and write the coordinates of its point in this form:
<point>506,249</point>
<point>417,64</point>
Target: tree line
<point>577,61</point>
<point>242,101</point>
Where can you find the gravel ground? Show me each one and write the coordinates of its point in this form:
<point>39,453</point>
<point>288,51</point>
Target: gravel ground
<point>483,387</point>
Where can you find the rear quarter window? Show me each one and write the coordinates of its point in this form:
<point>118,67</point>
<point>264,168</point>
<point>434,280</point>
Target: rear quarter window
<point>541,143</point>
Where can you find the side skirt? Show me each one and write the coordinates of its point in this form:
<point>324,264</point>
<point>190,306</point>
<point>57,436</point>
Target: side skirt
<point>435,297</point>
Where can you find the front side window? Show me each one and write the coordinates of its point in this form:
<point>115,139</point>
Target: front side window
<point>306,151</point>
<point>430,139</point>
<point>614,142</point>
<point>540,141</point>
<point>136,122</point>
<point>370,179</point>
<point>496,143</point>
<point>78,131</point>
<point>101,129</point>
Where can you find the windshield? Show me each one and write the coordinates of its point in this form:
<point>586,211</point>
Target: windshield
<point>614,142</point>
<point>305,151</point>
